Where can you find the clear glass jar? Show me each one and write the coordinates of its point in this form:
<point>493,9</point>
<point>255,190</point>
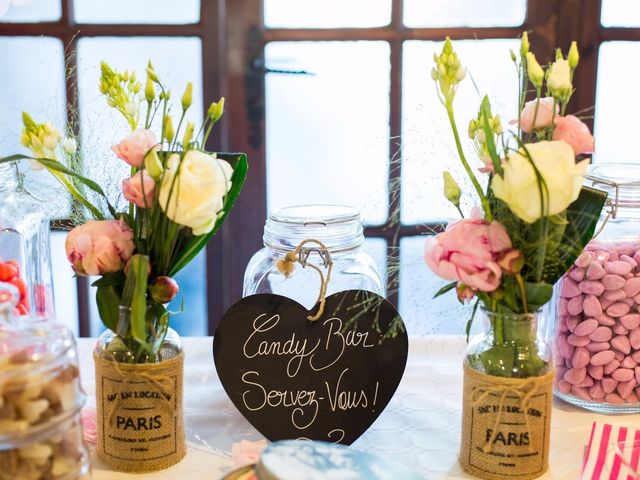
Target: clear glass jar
<point>25,254</point>
<point>597,304</point>
<point>339,228</point>
<point>40,398</point>
<point>119,345</point>
<point>509,346</point>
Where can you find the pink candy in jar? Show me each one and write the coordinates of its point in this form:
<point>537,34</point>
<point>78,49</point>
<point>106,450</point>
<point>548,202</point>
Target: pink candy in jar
<point>597,341</point>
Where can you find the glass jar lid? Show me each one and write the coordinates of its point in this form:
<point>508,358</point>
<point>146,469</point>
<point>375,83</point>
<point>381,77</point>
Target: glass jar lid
<point>620,180</point>
<point>337,226</point>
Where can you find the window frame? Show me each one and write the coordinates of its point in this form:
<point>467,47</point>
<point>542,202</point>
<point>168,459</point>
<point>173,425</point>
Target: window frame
<point>234,37</point>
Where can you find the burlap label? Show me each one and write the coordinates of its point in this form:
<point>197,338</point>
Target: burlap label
<point>505,425</point>
<point>139,413</point>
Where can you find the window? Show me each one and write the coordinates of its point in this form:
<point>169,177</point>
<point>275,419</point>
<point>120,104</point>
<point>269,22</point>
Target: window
<point>331,100</point>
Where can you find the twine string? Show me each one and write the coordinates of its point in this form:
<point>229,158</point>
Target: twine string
<point>300,255</point>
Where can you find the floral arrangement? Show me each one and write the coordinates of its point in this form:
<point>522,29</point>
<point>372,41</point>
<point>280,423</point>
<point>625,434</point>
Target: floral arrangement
<point>535,217</point>
<point>177,196</point>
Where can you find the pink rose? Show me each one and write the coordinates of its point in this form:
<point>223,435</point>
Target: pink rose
<point>543,117</point>
<point>133,149</point>
<point>246,452</point>
<point>99,247</point>
<point>88,419</point>
<point>467,252</point>
<point>574,131</point>
<point>139,189</point>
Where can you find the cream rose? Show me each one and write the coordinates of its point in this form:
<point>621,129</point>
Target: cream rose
<point>518,187</point>
<point>197,195</point>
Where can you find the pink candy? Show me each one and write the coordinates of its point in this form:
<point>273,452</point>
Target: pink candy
<point>598,335</point>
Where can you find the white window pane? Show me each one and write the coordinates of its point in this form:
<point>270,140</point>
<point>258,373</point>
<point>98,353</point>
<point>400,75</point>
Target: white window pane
<point>620,13</point>
<point>33,81</point>
<point>464,13</point>
<point>64,283</point>
<point>328,133</point>
<point>29,11</point>
<point>617,100</point>
<point>422,314</point>
<point>176,60</point>
<point>428,147</point>
<point>137,11</point>
<point>326,13</point>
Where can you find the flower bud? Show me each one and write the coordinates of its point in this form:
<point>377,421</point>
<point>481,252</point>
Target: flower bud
<point>513,55</point>
<point>524,44</point>
<point>188,134</point>
<point>153,164</point>
<point>472,128</point>
<point>559,78</point>
<point>434,73</point>
<point>216,109</point>
<point>152,75</point>
<point>168,128</point>
<point>559,55</point>
<point>534,70</point>
<point>497,125</point>
<point>187,96</point>
<point>451,189</point>
<point>69,145</point>
<point>573,57</point>
<point>163,289</point>
<point>465,293</point>
<point>136,88</point>
<point>149,91</point>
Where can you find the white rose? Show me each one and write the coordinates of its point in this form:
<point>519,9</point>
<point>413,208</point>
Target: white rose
<point>199,190</point>
<point>559,77</point>
<point>518,188</point>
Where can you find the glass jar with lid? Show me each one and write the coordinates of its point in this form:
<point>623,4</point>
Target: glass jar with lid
<point>40,398</point>
<point>25,254</point>
<point>597,303</point>
<point>339,228</point>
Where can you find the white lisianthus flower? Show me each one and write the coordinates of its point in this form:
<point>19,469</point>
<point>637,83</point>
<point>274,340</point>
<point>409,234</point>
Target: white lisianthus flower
<point>69,145</point>
<point>197,196</point>
<point>518,187</point>
<point>559,77</point>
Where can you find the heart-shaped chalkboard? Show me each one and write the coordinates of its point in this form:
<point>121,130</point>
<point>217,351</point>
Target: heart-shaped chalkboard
<point>327,379</point>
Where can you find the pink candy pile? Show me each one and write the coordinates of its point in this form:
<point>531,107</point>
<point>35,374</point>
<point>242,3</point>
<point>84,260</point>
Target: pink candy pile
<point>598,334</point>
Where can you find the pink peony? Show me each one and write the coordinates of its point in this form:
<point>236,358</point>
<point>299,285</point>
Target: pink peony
<point>574,131</point>
<point>99,247</point>
<point>139,189</point>
<point>132,149</point>
<point>543,117</point>
<point>246,452</point>
<point>467,252</point>
<point>89,424</point>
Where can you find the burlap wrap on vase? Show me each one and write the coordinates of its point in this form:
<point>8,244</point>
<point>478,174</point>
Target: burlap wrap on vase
<point>505,425</point>
<point>139,413</point>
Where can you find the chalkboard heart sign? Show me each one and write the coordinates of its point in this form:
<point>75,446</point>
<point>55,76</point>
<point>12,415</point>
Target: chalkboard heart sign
<point>296,378</point>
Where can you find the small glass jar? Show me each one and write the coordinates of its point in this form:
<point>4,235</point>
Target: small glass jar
<point>25,254</point>
<point>339,228</point>
<point>40,398</point>
<point>597,304</point>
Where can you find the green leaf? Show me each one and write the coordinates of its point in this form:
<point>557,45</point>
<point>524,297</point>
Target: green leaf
<point>138,272</point>
<point>445,289</point>
<point>108,300</point>
<point>196,244</point>
<point>59,167</point>
<point>470,321</point>
<point>110,279</point>
<point>485,109</point>
<point>538,294</point>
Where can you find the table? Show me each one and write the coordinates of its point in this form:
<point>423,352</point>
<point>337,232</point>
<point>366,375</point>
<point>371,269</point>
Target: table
<point>420,427</point>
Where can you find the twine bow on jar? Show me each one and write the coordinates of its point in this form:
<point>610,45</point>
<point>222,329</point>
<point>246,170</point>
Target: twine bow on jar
<point>300,255</point>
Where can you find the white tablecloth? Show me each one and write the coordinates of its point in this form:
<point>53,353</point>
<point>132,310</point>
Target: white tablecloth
<point>420,427</point>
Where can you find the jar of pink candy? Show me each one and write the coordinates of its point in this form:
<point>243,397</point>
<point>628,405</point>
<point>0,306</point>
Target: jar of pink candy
<point>597,331</point>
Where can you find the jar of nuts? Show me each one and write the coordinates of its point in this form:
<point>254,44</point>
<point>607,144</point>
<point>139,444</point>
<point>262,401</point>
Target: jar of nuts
<point>40,398</point>
<point>597,304</point>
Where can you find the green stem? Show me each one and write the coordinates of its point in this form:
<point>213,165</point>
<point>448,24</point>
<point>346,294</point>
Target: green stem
<point>543,228</point>
<point>74,192</point>
<point>460,211</point>
<point>175,138</point>
<point>483,199</point>
<point>523,292</point>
